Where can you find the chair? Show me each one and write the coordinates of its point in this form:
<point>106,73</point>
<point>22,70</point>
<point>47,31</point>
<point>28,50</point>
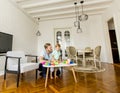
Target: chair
<point>97,53</point>
<point>16,63</point>
<point>88,48</point>
<point>95,57</point>
<point>72,54</point>
<point>88,53</point>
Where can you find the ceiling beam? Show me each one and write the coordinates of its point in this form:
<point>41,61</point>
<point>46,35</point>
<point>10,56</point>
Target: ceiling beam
<point>68,8</point>
<point>65,16</point>
<point>44,3</point>
<point>68,12</point>
<point>53,2</point>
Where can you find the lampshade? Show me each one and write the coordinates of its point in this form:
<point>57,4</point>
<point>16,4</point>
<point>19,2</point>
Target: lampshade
<point>76,23</point>
<point>79,18</point>
<point>38,33</point>
<point>82,17</point>
<point>79,30</point>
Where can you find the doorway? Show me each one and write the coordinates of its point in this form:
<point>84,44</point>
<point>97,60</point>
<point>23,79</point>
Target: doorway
<point>113,41</point>
<point>63,37</point>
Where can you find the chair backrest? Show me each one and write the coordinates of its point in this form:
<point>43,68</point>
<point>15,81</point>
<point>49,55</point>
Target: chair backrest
<point>71,51</point>
<point>88,48</point>
<point>97,51</point>
<point>12,61</point>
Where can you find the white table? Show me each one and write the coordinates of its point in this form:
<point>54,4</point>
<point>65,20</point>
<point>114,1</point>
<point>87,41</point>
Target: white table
<point>59,65</point>
<point>83,51</point>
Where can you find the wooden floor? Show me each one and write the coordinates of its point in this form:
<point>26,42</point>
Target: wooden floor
<point>101,82</point>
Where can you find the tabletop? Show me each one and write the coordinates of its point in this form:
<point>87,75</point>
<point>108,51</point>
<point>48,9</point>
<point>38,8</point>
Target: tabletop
<point>60,65</point>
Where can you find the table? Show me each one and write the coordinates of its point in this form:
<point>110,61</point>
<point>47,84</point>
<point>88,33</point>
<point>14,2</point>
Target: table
<point>59,65</point>
<point>83,51</point>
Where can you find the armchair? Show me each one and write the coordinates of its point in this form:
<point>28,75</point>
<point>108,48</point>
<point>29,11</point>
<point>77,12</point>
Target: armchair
<point>16,63</point>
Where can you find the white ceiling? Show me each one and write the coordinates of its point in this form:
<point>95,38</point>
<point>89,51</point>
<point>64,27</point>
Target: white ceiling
<point>53,9</point>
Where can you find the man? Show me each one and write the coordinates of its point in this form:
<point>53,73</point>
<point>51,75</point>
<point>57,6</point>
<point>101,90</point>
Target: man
<point>45,56</point>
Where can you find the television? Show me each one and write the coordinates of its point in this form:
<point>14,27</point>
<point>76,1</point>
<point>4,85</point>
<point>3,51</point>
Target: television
<point>5,42</point>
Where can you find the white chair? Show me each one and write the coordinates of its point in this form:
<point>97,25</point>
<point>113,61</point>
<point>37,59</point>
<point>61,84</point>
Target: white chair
<point>16,63</point>
<point>95,57</point>
<point>72,54</point>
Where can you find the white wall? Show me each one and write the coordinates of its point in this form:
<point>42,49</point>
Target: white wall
<point>15,22</point>
<point>92,34</point>
<point>112,12</point>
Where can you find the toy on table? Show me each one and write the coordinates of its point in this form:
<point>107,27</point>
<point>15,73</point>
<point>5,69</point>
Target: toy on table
<point>43,63</point>
<point>54,63</point>
<point>47,63</point>
<point>68,61</point>
<point>71,62</point>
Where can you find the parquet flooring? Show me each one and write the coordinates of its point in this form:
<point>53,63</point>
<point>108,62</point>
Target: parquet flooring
<point>101,82</point>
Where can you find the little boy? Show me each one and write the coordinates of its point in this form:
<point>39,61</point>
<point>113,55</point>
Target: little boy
<point>55,57</point>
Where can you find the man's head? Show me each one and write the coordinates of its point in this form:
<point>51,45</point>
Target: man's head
<point>48,47</point>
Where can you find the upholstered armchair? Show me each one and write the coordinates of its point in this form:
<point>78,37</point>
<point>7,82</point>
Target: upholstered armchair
<point>16,63</point>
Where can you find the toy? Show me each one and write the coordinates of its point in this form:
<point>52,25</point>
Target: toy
<point>43,63</point>
<point>47,64</point>
<point>71,62</point>
<point>68,61</point>
<point>56,62</point>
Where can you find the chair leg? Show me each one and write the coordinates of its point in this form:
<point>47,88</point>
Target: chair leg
<point>5,75</point>
<point>61,71</point>
<point>5,69</point>
<point>36,74</point>
<point>18,76</point>
<point>99,64</point>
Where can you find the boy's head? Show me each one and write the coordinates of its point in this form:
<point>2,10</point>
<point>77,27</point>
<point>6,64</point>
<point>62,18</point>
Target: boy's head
<point>57,46</point>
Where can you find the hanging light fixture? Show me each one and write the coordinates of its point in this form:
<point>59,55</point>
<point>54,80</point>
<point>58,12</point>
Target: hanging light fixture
<point>79,29</point>
<point>76,14</point>
<point>77,22</point>
<point>38,32</point>
<point>83,17</point>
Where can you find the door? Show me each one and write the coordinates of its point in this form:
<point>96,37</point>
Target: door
<point>113,41</point>
<point>63,37</point>
<point>114,46</point>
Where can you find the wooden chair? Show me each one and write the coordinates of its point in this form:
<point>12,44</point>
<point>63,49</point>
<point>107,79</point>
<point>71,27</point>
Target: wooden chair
<point>72,54</point>
<point>95,57</point>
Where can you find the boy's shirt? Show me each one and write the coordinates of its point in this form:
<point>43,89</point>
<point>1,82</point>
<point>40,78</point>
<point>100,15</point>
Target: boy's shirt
<point>56,54</point>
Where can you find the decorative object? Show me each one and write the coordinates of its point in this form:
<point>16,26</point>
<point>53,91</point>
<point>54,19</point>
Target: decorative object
<point>79,29</point>
<point>79,18</point>
<point>83,17</point>
<point>77,22</point>
<point>38,32</point>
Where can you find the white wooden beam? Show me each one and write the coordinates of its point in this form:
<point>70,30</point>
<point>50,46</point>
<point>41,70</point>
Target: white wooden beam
<point>52,2</point>
<point>68,12</point>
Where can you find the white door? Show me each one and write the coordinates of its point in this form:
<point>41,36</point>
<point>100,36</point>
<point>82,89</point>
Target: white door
<point>63,37</point>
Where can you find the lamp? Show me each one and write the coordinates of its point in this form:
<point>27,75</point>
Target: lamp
<point>79,29</point>
<point>83,17</point>
<point>77,22</point>
<point>38,32</point>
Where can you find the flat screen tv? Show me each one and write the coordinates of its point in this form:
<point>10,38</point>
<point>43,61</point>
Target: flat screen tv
<point>5,42</point>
